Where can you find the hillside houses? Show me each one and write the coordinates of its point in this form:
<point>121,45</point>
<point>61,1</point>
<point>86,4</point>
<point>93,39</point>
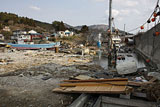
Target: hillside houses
<point>23,36</point>
<point>7,29</point>
<point>62,34</point>
<point>1,37</point>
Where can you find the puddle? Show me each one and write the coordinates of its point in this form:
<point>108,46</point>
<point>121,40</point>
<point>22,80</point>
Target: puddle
<point>129,57</point>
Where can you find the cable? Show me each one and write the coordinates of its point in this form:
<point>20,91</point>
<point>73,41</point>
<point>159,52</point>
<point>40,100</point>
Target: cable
<point>133,29</point>
<point>155,9</point>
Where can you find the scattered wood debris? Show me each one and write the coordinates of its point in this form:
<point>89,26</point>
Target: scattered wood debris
<point>81,77</point>
<point>109,86</point>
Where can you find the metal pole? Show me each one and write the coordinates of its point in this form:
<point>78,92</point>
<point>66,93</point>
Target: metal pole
<point>124,29</point>
<point>110,15</point>
<point>109,38</point>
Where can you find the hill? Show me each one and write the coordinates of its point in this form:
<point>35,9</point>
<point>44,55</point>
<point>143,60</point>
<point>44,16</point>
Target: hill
<point>16,22</point>
<point>100,28</point>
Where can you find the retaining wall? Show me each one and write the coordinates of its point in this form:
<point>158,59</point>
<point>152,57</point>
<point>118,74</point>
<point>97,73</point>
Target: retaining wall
<point>149,45</point>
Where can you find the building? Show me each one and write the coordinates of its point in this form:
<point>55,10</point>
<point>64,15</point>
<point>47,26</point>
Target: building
<point>129,39</point>
<point>54,35</point>
<point>19,34</point>
<point>34,35</point>
<point>7,29</point>
<point>23,36</point>
<point>65,33</point>
<point>1,37</point>
<point>117,41</point>
<point>32,32</point>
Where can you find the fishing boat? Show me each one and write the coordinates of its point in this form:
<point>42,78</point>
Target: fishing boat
<point>34,46</point>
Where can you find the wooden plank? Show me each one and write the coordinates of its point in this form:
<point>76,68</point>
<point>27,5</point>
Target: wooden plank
<point>94,83</point>
<point>153,79</point>
<point>64,90</point>
<point>118,89</point>
<point>88,88</point>
<point>78,88</point>
<point>132,83</point>
<point>127,102</point>
<point>82,77</point>
<point>93,89</point>
<point>98,80</point>
<point>100,88</point>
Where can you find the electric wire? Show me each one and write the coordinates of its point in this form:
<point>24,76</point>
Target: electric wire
<point>155,9</point>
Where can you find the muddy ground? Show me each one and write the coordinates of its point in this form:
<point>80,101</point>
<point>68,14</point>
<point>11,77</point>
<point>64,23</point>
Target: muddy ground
<point>27,78</point>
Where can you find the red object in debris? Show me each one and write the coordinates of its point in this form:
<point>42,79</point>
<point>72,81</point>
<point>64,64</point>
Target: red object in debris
<point>157,33</point>
<point>109,31</point>
<point>155,14</point>
<point>119,58</point>
<point>153,19</point>
<point>147,60</point>
<point>142,27</point>
<point>113,62</point>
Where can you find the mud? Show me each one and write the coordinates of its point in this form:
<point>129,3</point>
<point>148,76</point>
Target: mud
<point>28,81</point>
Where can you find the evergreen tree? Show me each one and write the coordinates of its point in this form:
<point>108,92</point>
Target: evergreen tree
<point>59,26</point>
<point>84,29</point>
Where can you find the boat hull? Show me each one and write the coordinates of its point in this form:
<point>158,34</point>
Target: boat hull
<point>34,46</point>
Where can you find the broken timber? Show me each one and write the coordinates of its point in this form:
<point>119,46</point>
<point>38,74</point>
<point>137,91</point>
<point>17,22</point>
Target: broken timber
<point>98,80</point>
<point>108,86</point>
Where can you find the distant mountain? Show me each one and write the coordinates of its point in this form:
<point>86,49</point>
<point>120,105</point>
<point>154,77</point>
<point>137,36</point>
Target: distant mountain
<point>94,27</point>
<point>78,27</point>
<point>99,27</point>
<point>68,26</point>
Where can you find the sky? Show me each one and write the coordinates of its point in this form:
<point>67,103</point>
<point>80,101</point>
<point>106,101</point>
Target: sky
<point>132,13</point>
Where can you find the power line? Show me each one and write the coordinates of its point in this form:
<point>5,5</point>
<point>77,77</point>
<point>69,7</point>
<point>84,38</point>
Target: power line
<point>148,21</point>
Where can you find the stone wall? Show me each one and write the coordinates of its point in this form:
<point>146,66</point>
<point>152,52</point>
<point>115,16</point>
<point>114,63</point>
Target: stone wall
<point>149,44</point>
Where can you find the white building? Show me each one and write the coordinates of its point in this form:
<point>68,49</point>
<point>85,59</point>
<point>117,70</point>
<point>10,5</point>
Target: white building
<point>1,37</point>
<point>117,41</point>
<point>6,28</point>
<point>32,32</point>
<point>65,33</point>
<point>19,34</point>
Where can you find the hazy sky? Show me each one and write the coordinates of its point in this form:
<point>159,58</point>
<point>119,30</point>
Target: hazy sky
<point>133,13</point>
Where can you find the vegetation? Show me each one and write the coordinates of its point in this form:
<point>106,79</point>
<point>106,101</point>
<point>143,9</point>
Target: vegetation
<point>84,29</point>
<point>59,26</point>
<point>11,19</point>
<point>23,23</point>
<point>7,35</point>
<point>1,27</point>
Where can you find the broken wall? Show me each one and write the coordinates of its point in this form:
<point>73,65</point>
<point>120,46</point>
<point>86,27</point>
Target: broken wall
<point>149,45</point>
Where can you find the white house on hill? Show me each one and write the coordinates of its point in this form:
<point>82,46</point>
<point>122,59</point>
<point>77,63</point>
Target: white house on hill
<point>32,32</point>
<point>65,33</point>
<point>1,37</point>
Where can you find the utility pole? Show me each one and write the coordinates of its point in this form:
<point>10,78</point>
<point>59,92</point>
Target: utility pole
<point>110,16</point>
<point>124,29</point>
<point>110,33</point>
